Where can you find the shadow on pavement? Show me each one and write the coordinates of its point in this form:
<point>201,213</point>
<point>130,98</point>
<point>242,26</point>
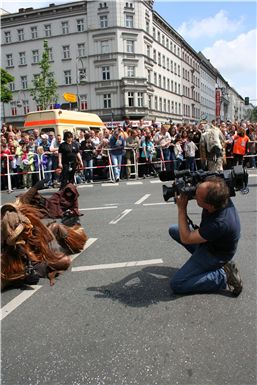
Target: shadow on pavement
<point>143,288</point>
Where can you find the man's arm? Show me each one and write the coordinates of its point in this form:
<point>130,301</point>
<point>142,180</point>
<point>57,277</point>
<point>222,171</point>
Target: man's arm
<point>187,236</point>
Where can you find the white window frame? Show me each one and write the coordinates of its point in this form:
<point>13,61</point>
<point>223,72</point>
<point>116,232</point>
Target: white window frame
<point>8,37</point>
<point>67,77</point>
<point>22,58</point>
<point>129,21</point>
<point>105,47</point>
<point>130,46</point>
<point>24,82</point>
<point>20,32</point>
<point>66,51</point>
<point>65,27</point>
<point>130,71</point>
<point>107,101</point>
<point>80,25</point>
<point>81,49</point>
<point>48,30</point>
<point>106,75</point>
<point>33,32</point>
<point>35,56</point>
<point>12,86</point>
<point>103,21</point>
<point>140,99</point>
<point>50,53</point>
<point>131,99</point>
<point>9,60</point>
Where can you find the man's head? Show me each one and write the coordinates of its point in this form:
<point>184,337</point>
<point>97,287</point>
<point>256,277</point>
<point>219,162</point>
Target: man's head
<point>212,194</point>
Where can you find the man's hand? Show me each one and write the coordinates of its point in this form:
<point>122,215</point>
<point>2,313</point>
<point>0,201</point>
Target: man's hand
<point>181,201</point>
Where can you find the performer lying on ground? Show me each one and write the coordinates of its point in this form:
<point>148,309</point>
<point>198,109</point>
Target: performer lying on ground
<point>32,249</point>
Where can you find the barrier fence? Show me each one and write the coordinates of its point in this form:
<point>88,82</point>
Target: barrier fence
<point>157,163</point>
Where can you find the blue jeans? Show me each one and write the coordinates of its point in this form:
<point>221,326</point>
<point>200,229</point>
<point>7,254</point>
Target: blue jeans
<point>116,161</point>
<point>202,273</point>
<point>88,170</point>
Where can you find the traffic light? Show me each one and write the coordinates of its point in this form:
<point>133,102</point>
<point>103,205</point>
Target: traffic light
<point>247,101</point>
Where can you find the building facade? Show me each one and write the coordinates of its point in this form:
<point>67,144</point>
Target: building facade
<point>119,58</point>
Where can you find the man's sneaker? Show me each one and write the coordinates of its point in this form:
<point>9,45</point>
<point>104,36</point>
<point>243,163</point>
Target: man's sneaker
<point>234,280</point>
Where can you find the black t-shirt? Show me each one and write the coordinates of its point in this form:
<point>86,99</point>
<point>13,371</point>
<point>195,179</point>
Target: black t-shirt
<point>222,231</point>
<point>69,151</point>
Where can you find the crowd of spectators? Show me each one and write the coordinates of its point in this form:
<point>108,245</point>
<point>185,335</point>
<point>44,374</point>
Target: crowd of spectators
<point>176,145</point>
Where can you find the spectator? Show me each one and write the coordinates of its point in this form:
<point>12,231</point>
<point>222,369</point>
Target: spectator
<point>87,149</point>
<point>132,151</point>
<point>117,144</point>
<point>190,149</point>
<point>240,145</point>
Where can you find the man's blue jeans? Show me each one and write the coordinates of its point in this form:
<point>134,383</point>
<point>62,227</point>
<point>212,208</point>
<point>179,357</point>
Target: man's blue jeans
<point>202,273</point>
<point>116,161</point>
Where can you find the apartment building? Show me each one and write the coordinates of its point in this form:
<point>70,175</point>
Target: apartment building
<point>120,58</point>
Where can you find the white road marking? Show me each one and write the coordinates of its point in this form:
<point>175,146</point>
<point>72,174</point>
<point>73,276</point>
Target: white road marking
<point>156,181</point>
<point>142,199</point>
<point>85,186</point>
<point>17,301</point>
<point>99,208</point>
<point>89,242</point>
<point>109,184</point>
<point>158,204</point>
<point>118,265</point>
<point>133,183</point>
<point>122,215</point>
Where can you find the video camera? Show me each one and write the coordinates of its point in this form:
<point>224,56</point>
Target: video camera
<point>186,181</point>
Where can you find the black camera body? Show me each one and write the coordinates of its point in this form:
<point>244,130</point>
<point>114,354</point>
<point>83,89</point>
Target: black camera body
<point>186,181</point>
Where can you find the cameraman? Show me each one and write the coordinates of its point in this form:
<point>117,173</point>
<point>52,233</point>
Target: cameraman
<point>212,245</point>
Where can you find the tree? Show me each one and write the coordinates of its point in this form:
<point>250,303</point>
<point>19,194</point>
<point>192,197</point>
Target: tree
<point>6,93</point>
<point>254,115</point>
<point>44,90</point>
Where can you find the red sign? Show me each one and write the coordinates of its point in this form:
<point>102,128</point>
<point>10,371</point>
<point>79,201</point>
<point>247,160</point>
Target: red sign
<point>218,102</point>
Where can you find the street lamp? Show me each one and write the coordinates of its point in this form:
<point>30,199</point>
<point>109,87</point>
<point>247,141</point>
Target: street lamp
<point>81,77</point>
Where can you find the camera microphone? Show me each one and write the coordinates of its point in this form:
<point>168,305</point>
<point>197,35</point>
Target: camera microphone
<point>166,175</point>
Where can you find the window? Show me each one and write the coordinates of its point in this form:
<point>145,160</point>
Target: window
<point>81,50</point>
<point>24,82</point>
<point>148,50</point>
<point>154,55</point>
<point>131,71</point>
<point>154,32</point>
<point>129,21</point>
<point>47,30</point>
<point>149,76</point>
<point>103,21</point>
<point>147,26</point>
<point>158,36</point>
<point>106,73</point>
<point>155,78</point>
<point>160,81</point>
<point>163,61</point>
<point>65,27</point>
<point>9,60</point>
<point>33,32</point>
<point>156,102</point>
<point>150,102</point>
<point>80,25</point>
<point>50,53</point>
<point>35,56</point>
<point>21,34</point>
<point>164,105</point>
<point>159,58</point>
<point>12,86</point>
<point>22,58</point>
<point>140,98</point>
<point>83,102</point>
<point>164,82</point>
<point>131,99</point>
<point>82,73</point>
<point>13,108</point>
<point>66,52</point>
<point>25,106</point>
<point>107,101</point>
<point>8,38</point>
<point>105,48</point>
<point>130,46</point>
<point>67,77</point>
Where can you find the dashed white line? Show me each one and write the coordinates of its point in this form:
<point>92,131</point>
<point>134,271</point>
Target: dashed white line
<point>118,218</point>
<point>159,203</point>
<point>118,265</point>
<point>133,183</point>
<point>156,181</point>
<point>89,242</point>
<point>17,301</point>
<point>99,208</point>
<point>142,199</point>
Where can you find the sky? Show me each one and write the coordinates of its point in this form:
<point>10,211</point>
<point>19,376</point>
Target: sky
<point>224,31</point>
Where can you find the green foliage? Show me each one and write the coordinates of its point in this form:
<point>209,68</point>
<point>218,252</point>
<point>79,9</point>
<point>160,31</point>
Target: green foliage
<point>6,93</point>
<point>44,90</point>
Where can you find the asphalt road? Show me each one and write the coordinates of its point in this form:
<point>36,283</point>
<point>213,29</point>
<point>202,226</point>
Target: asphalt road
<point>104,323</point>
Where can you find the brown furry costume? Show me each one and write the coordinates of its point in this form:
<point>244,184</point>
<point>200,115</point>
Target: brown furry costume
<point>28,245</point>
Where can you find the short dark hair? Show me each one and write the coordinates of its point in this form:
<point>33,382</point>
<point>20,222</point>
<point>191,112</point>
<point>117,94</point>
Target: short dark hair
<point>67,134</point>
<point>218,192</point>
